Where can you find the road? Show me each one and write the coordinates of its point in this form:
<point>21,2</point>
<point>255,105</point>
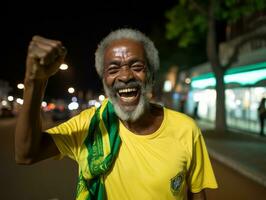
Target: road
<point>47,180</point>
<point>234,186</point>
<point>53,180</point>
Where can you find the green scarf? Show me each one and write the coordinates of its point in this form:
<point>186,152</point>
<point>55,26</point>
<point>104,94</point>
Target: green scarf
<point>102,143</point>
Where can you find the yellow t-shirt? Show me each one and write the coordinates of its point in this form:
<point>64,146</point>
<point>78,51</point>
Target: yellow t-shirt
<point>159,166</point>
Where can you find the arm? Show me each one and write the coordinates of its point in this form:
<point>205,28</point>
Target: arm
<point>197,196</point>
<point>43,60</point>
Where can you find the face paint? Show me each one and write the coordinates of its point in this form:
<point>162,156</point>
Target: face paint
<point>124,79</point>
<point>120,52</point>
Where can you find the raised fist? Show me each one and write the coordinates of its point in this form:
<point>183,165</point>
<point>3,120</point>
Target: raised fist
<point>44,58</point>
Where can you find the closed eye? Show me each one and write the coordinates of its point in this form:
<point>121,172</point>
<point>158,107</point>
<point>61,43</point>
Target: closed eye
<point>113,69</point>
<point>138,67</point>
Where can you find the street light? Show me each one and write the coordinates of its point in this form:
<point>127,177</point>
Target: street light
<point>74,99</point>
<point>63,66</point>
<point>188,81</point>
<point>73,106</point>
<point>71,90</point>
<point>101,97</point>
<point>4,103</point>
<point>167,86</point>
<point>20,86</point>
<point>97,104</point>
<point>19,101</point>
<point>44,104</point>
<point>10,98</point>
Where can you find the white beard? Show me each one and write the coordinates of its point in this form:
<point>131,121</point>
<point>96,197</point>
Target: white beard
<point>136,112</point>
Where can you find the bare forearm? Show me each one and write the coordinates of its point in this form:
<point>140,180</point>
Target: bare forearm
<point>43,60</point>
<point>28,130</point>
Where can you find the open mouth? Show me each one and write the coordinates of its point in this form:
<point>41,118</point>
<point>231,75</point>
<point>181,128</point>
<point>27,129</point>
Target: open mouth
<point>128,95</point>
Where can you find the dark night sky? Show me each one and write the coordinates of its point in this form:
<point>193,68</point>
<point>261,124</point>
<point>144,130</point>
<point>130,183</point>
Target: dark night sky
<point>79,26</point>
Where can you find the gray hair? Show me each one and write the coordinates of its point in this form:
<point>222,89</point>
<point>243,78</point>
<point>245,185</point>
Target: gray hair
<point>127,33</point>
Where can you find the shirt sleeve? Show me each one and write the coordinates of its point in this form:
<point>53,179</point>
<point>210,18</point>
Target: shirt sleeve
<point>201,174</point>
<point>70,135</point>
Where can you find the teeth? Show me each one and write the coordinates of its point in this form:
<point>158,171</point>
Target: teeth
<point>127,90</point>
<point>127,99</point>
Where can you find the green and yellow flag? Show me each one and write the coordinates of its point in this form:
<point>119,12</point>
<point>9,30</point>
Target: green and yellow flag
<point>103,144</point>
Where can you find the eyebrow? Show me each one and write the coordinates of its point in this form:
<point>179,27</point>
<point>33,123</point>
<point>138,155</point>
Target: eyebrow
<point>130,61</point>
<point>114,62</point>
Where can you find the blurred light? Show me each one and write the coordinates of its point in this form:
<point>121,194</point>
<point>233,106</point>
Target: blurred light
<point>74,99</point>
<point>259,90</point>
<point>61,107</point>
<point>73,106</point>
<point>63,66</point>
<point>196,97</point>
<point>230,98</point>
<point>19,101</point>
<point>242,78</point>
<point>92,102</point>
<point>71,90</point>
<point>10,98</point>
<point>187,80</point>
<point>238,102</point>
<point>167,86</point>
<point>101,97</point>
<point>204,83</point>
<point>44,104</point>
<point>4,103</point>
<point>230,95</point>
<point>51,106</point>
<point>246,100</point>
<point>176,96</point>
<point>246,78</point>
<point>97,104</point>
<point>20,86</point>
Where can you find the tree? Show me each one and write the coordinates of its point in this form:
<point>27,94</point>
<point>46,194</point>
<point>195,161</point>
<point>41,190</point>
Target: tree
<point>193,20</point>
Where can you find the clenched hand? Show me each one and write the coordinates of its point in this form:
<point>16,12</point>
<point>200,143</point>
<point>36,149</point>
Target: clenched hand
<point>44,58</point>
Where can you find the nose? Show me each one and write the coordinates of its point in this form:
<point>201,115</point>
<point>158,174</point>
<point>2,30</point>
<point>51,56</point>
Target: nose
<point>126,74</point>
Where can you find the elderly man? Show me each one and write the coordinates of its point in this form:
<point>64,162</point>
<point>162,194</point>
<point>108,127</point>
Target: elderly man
<point>129,148</point>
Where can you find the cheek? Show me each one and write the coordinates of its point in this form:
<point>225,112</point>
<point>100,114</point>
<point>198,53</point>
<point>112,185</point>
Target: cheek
<point>108,81</point>
<point>141,76</point>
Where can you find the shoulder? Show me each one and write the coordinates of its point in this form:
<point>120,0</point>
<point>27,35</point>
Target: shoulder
<point>180,118</point>
<point>85,116</point>
<point>185,127</point>
<point>87,113</point>
<point>78,122</point>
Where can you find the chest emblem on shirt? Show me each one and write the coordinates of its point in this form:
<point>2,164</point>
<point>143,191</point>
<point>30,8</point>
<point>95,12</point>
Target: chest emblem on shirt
<point>176,182</point>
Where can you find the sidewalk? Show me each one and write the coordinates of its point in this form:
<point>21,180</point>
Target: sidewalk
<point>245,153</point>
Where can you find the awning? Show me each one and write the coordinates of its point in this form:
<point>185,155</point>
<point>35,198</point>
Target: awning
<point>248,75</point>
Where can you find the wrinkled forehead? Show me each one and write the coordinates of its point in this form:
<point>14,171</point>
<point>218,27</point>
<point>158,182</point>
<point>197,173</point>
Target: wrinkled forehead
<point>125,47</point>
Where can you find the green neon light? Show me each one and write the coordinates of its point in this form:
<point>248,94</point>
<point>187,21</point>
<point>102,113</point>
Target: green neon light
<point>246,68</point>
<point>203,76</point>
<point>203,83</point>
<point>237,75</point>
<point>246,78</point>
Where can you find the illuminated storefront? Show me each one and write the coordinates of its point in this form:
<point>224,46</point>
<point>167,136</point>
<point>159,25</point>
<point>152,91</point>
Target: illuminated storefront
<point>245,87</point>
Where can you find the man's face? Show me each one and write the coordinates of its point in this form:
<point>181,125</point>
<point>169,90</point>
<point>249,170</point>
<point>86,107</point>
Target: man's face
<point>124,78</point>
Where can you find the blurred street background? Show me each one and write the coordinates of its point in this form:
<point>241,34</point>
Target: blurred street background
<point>213,68</point>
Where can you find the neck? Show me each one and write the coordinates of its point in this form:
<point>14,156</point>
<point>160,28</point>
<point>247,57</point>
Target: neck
<point>147,123</point>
